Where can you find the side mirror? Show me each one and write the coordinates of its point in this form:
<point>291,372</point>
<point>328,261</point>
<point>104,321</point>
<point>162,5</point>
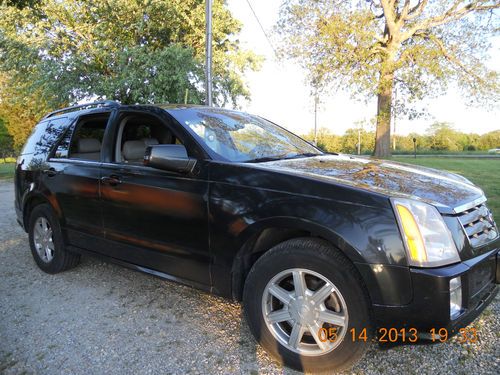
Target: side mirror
<point>169,158</point>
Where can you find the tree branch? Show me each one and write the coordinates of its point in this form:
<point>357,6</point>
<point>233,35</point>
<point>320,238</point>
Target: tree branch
<point>453,59</point>
<point>374,4</point>
<point>388,7</point>
<point>377,49</point>
<point>407,85</point>
<point>404,11</point>
<point>416,10</point>
<point>454,13</point>
<point>404,56</point>
<point>381,39</point>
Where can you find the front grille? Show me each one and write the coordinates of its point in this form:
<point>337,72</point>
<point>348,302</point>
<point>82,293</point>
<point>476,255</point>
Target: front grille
<point>479,225</point>
<point>481,275</point>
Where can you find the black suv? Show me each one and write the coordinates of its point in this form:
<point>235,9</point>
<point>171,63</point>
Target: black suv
<point>325,250</point>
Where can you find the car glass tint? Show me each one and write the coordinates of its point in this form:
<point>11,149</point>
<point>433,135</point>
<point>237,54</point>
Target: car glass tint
<point>62,150</point>
<point>238,136</point>
<point>138,131</point>
<point>36,134</point>
<point>86,142</point>
<point>44,136</point>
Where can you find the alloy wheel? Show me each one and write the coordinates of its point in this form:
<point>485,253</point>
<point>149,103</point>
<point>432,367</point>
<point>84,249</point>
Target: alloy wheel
<point>297,303</point>
<point>43,239</point>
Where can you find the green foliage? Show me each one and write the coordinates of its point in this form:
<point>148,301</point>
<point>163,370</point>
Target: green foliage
<point>6,141</point>
<point>350,141</point>
<point>68,47</point>
<point>374,47</point>
<point>443,137</point>
<point>145,76</point>
<point>21,3</point>
<point>59,52</point>
<point>489,140</point>
<point>331,41</point>
<point>20,109</point>
<point>426,44</point>
<point>326,140</point>
<point>440,137</point>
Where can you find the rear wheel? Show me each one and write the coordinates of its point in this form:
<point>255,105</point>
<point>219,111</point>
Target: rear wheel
<point>46,241</point>
<point>302,298</point>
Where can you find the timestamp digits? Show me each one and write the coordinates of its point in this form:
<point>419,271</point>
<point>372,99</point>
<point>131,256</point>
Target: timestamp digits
<point>464,335</point>
<point>402,335</point>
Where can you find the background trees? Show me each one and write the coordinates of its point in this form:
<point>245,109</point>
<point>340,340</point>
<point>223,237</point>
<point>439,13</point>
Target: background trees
<point>376,46</point>
<point>6,142</point>
<point>57,52</point>
<point>20,108</point>
<point>444,137</point>
<point>440,137</point>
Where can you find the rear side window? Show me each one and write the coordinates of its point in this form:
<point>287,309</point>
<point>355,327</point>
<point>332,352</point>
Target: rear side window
<point>44,136</point>
<point>83,140</point>
<point>36,134</point>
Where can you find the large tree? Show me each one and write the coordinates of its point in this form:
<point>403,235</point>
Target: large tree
<point>6,141</point>
<point>376,46</point>
<point>20,108</point>
<point>146,51</point>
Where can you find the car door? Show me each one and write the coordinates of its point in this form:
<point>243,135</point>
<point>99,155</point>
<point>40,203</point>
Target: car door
<point>154,218</point>
<point>73,176</point>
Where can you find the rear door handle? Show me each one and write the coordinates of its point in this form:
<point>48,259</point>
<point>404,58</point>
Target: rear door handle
<point>112,180</point>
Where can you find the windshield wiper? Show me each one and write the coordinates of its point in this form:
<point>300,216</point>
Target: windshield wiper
<point>264,159</point>
<point>304,155</point>
<point>281,157</point>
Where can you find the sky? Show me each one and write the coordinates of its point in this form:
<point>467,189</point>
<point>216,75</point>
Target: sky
<point>279,91</point>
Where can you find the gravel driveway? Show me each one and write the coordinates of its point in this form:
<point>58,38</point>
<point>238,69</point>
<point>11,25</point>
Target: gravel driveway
<point>104,319</point>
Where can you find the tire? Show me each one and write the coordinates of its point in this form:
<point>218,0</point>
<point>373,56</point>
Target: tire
<point>46,242</point>
<point>346,306</point>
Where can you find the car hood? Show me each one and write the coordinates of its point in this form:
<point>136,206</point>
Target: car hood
<point>447,191</point>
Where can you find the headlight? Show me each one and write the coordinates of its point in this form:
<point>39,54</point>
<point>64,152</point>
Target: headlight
<point>427,238</point>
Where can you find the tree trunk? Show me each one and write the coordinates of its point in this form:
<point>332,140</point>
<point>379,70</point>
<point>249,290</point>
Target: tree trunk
<point>384,107</point>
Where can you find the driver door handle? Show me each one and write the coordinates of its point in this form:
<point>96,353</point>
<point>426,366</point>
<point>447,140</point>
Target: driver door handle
<point>51,172</point>
<point>112,180</point>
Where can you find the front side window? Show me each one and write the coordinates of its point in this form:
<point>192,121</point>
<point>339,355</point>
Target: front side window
<point>138,131</point>
<point>241,137</point>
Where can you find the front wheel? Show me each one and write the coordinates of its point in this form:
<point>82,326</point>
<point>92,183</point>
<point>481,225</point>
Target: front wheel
<point>302,299</point>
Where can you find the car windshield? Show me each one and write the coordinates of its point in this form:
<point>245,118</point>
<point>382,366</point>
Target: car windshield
<point>241,137</point>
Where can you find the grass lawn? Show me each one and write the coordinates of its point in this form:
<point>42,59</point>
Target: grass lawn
<point>7,170</point>
<point>483,172</point>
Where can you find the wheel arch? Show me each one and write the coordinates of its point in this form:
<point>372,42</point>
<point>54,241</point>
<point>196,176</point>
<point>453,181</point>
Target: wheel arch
<point>34,199</point>
<point>260,237</point>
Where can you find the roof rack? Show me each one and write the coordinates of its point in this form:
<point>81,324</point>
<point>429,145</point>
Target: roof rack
<point>102,103</point>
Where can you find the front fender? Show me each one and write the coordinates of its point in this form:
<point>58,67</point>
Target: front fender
<point>366,233</point>
<point>301,224</point>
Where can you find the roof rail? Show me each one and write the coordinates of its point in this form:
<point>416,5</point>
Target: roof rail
<point>102,103</point>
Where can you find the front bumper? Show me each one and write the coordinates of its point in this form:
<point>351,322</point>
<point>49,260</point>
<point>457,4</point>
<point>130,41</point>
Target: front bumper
<point>430,306</point>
